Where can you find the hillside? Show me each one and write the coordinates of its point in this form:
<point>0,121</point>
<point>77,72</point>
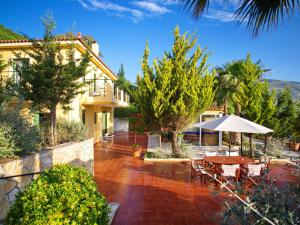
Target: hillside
<point>7,34</point>
<point>293,85</point>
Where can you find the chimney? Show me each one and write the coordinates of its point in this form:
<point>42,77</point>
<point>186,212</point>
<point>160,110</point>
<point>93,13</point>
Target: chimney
<point>95,48</point>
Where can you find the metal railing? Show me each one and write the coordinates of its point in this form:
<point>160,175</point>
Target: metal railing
<point>20,175</point>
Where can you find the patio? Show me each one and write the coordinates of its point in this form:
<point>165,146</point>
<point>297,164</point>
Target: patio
<point>160,193</point>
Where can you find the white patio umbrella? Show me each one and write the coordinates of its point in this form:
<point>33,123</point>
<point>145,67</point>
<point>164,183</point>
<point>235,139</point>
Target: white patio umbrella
<point>233,123</point>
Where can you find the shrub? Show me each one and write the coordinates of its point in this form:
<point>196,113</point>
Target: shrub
<point>61,195</point>
<point>125,112</point>
<point>67,131</point>
<point>24,136</point>
<point>275,147</point>
<point>8,148</point>
<point>70,131</point>
<point>279,205</point>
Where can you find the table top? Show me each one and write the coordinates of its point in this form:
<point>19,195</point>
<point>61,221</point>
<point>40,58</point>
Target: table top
<point>228,160</point>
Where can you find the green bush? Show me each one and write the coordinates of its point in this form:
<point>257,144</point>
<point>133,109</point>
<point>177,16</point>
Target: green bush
<point>61,195</point>
<point>24,136</point>
<point>8,148</point>
<point>67,131</point>
<point>125,112</point>
<point>70,131</point>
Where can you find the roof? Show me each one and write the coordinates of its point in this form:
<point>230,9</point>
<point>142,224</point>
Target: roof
<point>215,108</point>
<point>60,39</point>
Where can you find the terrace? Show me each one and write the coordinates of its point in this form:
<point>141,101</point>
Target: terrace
<point>161,192</point>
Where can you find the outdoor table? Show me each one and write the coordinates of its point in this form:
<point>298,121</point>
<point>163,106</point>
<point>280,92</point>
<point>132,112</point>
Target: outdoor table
<point>218,161</point>
<point>228,160</point>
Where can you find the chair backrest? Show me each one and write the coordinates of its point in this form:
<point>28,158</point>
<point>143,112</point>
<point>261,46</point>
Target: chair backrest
<point>197,156</point>
<point>193,164</point>
<point>254,170</point>
<point>229,170</point>
<point>232,153</point>
<point>210,153</point>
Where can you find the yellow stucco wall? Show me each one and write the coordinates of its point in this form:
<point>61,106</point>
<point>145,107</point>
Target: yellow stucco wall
<point>91,104</point>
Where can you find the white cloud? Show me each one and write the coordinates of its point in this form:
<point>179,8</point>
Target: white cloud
<point>151,6</point>
<point>221,15</point>
<point>114,8</point>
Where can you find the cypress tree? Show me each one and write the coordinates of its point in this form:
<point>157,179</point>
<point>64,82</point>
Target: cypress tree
<point>177,88</point>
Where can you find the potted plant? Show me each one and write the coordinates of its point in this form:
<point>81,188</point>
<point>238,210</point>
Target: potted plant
<point>137,129</point>
<point>295,144</point>
<point>136,150</point>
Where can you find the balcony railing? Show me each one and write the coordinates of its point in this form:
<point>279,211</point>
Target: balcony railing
<point>97,87</point>
<point>121,96</point>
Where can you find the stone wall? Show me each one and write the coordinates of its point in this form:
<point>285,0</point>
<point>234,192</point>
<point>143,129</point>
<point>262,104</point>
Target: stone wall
<point>77,154</point>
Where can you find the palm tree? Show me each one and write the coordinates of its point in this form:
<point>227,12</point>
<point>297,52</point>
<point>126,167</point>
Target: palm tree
<point>259,14</point>
<point>227,87</point>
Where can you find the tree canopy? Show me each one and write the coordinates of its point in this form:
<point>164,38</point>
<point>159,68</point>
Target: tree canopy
<point>51,78</point>
<point>177,88</point>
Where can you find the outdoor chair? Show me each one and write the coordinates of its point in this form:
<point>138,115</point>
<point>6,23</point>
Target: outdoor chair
<point>229,172</point>
<point>264,161</point>
<point>232,153</point>
<point>197,171</point>
<point>210,153</point>
<point>251,174</point>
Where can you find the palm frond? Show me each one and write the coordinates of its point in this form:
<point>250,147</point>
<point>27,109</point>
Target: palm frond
<point>265,14</point>
<point>196,7</point>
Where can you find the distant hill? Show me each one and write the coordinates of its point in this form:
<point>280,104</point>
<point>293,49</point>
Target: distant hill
<point>293,85</point>
<point>7,34</point>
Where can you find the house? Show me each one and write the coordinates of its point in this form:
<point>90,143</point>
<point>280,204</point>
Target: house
<point>205,137</point>
<point>95,107</point>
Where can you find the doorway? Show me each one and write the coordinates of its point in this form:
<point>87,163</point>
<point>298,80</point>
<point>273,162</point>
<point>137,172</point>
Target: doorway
<point>105,118</point>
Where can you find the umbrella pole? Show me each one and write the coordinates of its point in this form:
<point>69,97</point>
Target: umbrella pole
<point>266,143</point>
<point>229,142</point>
<point>241,153</point>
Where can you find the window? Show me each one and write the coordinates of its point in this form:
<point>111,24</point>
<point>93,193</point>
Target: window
<point>83,116</point>
<point>17,65</point>
<point>98,87</point>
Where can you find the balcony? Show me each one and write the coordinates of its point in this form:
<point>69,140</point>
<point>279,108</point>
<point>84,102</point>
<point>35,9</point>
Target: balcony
<point>121,98</point>
<point>103,92</point>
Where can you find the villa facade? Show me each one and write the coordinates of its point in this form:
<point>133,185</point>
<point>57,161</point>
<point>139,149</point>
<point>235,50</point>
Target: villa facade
<point>95,107</point>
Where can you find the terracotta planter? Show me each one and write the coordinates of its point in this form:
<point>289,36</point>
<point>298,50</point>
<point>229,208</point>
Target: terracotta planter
<point>136,151</point>
<point>294,146</point>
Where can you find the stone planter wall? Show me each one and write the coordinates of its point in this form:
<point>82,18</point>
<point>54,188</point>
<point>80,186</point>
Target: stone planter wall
<point>79,154</point>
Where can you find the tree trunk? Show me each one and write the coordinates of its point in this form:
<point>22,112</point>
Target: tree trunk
<point>53,127</point>
<point>225,107</point>
<point>175,147</point>
<point>250,144</point>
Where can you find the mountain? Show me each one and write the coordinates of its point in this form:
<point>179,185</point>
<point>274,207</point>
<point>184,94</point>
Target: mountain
<point>280,84</point>
<point>7,34</point>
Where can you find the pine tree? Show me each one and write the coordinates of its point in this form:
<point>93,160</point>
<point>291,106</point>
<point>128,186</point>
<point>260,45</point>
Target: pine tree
<point>285,114</point>
<point>177,88</point>
<point>51,79</point>
<point>125,84</point>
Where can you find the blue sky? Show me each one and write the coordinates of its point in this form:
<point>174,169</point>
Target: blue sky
<point>122,28</point>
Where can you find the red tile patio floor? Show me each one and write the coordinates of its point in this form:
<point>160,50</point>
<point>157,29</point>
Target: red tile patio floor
<point>157,193</point>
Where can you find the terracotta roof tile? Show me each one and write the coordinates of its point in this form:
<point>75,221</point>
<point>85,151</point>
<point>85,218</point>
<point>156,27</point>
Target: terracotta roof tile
<point>59,39</point>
